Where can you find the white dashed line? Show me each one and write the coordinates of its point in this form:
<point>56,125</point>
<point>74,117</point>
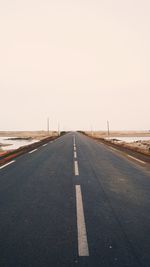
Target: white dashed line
<point>7,164</point>
<point>136,159</point>
<point>113,148</point>
<point>33,151</point>
<point>74,142</point>
<point>83,249</point>
<point>76,168</point>
<point>45,144</point>
<point>75,155</point>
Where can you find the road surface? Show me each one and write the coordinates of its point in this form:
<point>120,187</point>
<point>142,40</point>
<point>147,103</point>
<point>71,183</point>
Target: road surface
<point>74,202</point>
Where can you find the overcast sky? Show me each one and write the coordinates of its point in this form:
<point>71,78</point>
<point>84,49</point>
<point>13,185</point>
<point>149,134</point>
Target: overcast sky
<point>80,62</point>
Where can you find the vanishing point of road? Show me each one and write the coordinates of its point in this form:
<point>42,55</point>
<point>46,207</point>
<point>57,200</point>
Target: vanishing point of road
<point>74,202</point>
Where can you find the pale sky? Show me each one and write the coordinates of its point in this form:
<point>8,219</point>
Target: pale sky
<point>80,62</point>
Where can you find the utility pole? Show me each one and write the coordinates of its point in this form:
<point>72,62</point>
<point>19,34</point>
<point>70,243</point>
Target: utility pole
<point>58,129</point>
<point>48,126</point>
<point>91,130</point>
<point>108,131</point>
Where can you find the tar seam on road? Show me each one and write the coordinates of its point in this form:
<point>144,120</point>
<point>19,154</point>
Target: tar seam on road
<point>7,164</point>
<point>83,249</point>
<point>33,151</point>
<point>136,159</point>
<point>76,168</point>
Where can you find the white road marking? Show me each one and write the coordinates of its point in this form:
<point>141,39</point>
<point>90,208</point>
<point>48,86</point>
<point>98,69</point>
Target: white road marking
<point>74,141</point>
<point>45,144</point>
<point>33,151</point>
<point>75,155</point>
<point>136,159</point>
<point>83,248</point>
<point>113,148</point>
<point>76,168</point>
<point>7,164</point>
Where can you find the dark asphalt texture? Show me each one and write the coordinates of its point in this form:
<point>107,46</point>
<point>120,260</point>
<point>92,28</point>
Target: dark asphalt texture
<point>38,220</point>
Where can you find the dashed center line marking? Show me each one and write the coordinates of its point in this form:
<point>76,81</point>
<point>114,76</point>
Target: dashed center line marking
<point>33,151</point>
<point>83,249</point>
<point>136,159</point>
<point>76,168</point>
<point>7,164</point>
<point>75,155</point>
<point>74,140</point>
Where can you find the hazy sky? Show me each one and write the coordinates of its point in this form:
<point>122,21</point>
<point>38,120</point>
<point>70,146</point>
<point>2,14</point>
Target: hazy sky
<point>80,62</point>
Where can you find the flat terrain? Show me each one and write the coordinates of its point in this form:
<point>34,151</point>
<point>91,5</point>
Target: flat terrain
<point>142,146</point>
<point>25,134</point>
<point>21,135</point>
<point>74,202</point>
<point>104,134</point>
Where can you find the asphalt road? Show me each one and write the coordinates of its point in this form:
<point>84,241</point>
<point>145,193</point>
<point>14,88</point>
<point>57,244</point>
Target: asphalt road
<point>74,202</point>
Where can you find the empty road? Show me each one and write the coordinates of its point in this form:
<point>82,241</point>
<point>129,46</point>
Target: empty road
<point>74,202</point>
